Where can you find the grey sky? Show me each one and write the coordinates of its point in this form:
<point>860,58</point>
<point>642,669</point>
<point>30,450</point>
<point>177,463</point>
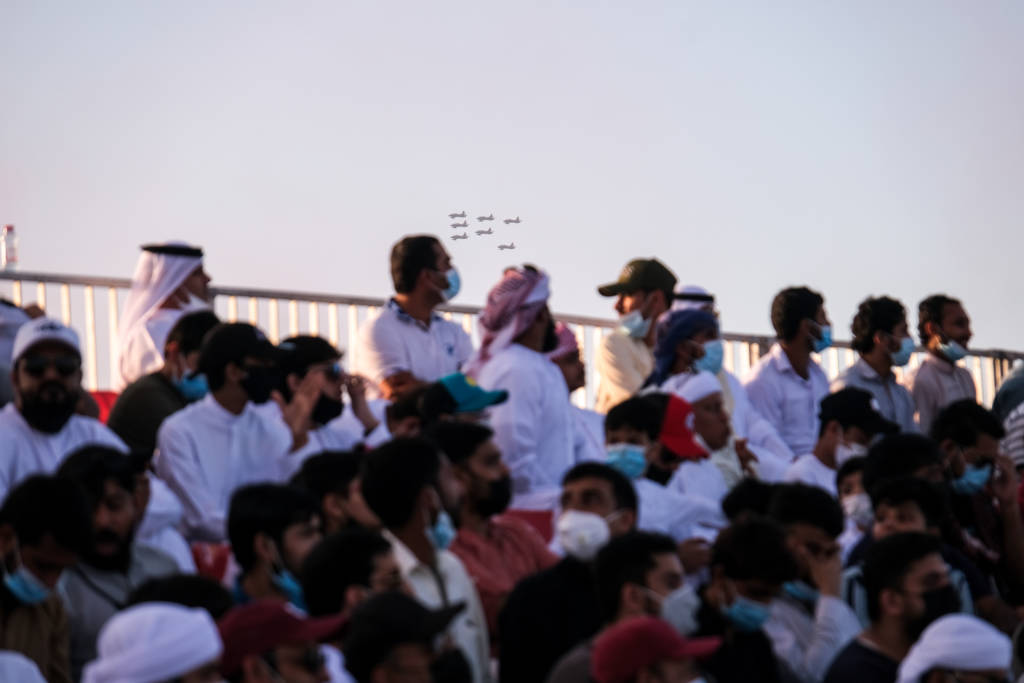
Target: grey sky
<point>859,147</point>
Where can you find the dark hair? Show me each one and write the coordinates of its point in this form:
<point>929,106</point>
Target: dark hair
<point>930,311</point>
<point>925,495</point>
<point>459,440</point>
<point>297,354</point>
<point>851,466</point>
<point>749,496</point>
<point>754,548</point>
<point>888,560</point>
<point>407,404</point>
<point>791,307</point>
<point>806,504</point>
<point>410,256</point>
<point>898,455</point>
<point>91,467</point>
<point>267,509</point>
<point>964,422</point>
<point>190,590</point>
<point>328,472</point>
<point>880,314</point>
<point>622,487</point>
<point>393,476</point>
<point>190,329</point>
<point>639,412</point>
<point>627,559</point>
<point>434,402</point>
<point>341,560</point>
<point>42,506</point>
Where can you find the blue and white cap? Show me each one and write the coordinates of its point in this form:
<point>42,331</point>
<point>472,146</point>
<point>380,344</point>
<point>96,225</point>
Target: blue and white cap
<point>42,330</point>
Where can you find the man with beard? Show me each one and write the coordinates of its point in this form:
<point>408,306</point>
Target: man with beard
<point>908,588</point>
<point>40,428</point>
<point>534,428</point>
<point>99,585</point>
<point>498,551</point>
<point>222,442</point>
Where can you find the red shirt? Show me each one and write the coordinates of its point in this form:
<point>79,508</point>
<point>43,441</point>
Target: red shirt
<point>510,551</point>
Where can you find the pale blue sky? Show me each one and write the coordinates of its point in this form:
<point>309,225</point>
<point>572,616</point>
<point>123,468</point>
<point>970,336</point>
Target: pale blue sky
<point>861,147</point>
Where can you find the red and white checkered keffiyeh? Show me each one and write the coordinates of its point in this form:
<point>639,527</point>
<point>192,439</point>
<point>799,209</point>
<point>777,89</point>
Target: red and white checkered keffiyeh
<point>512,306</point>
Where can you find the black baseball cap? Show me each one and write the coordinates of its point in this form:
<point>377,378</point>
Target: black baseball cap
<point>643,273</point>
<point>387,620</point>
<point>232,343</point>
<point>856,408</point>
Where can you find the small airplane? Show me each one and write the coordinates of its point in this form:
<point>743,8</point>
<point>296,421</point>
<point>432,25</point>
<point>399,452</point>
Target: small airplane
<point>488,231</point>
<point>463,224</point>
<point>510,245</point>
<point>512,220</point>
<point>463,236</point>
<point>485,218</point>
<point>453,216</point>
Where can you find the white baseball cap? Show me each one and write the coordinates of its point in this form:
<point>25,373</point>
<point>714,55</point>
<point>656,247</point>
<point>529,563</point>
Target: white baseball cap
<point>42,330</point>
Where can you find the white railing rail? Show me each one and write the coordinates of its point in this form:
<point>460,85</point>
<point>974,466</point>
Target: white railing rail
<point>92,304</point>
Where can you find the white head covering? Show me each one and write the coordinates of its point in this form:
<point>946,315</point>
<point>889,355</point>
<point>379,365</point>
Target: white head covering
<point>689,304</point>
<point>696,387</point>
<point>151,642</point>
<point>17,667</point>
<point>957,642</point>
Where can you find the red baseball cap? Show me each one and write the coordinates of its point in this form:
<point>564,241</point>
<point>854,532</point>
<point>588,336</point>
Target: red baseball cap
<point>261,626</point>
<point>677,430</point>
<point>622,650</point>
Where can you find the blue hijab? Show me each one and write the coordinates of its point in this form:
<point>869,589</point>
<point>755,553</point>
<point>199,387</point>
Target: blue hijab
<point>673,328</point>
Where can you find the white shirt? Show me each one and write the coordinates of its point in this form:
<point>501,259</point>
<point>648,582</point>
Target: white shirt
<point>25,451</point>
<point>789,402</point>
<point>534,427</point>
<point>469,628</point>
<point>749,424</point>
<point>588,435</point>
<point>677,515</point>
<point>700,478</point>
<point>809,644</point>
<point>205,452</point>
<point>809,470</point>
<point>160,526</point>
<point>394,342</point>
<point>334,663</point>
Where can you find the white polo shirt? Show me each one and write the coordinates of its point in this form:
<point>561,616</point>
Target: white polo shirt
<point>25,451</point>
<point>675,514</point>
<point>807,469</point>
<point>394,342</point>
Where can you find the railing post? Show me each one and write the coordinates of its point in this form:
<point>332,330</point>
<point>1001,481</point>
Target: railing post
<point>90,338</point>
<point>65,304</point>
<point>112,352</point>
<point>273,322</point>
<point>332,324</point>
<point>232,309</point>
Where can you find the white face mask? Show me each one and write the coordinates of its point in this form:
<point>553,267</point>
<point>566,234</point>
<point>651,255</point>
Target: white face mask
<point>857,507</point>
<point>679,608</point>
<point>582,534</point>
<point>844,452</point>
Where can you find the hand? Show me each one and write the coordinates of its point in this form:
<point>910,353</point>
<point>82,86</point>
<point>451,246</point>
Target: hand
<point>695,554</point>
<point>826,569</point>
<point>1004,484</point>
<point>297,414</point>
<point>747,458</point>
<point>355,387</point>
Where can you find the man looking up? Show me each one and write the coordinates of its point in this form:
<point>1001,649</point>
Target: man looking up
<point>148,401</point>
<point>787,385</point>
<point>945,331</point>
<point>169,281</point>
<point>409,344</point>
<point>625,357</point>
<point>40,428</point>
<point>534,428</point>
<point>881,338</point>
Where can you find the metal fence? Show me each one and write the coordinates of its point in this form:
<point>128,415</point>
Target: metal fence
<point>92,304</point>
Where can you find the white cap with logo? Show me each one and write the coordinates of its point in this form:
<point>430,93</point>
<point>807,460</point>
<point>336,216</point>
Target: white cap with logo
<point>42,330</point>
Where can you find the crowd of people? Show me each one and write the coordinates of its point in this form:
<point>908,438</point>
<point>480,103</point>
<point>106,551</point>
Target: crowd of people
<point>257,513</point>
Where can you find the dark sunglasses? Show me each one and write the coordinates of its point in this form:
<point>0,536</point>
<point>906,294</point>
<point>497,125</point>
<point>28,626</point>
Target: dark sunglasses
<point>38,365</point>
<point>334,372</point>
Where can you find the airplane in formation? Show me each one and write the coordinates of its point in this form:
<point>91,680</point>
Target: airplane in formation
<point>510,245</point>
<point>485,218</point>
<point>453,216</point>
<point>512,220</point>
<point>463,236</point>
<point>488,231</point>
<point>463,224</point>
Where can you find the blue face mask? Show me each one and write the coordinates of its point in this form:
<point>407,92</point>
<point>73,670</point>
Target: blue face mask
<point>454,285</point>
<point>825,341</point>
<point>798,590</point>
<point>442,532</point>
<point>286,582</point>
<point>24,585</point>
<point>711,361</point>
<point>973,480</point>
<point>747,615</point>
<point>902,357</point>
<point>192,388</point>
<point>627,458</point>
<point>635,325</point>
<point>952,351</point>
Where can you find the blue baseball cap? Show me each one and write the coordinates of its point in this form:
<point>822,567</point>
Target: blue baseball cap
<point>468,396</point>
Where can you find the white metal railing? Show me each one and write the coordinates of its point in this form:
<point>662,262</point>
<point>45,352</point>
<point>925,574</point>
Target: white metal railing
<point>92,304</point>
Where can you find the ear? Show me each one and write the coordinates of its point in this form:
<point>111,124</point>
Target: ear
<point>171,350</point>
<point>141,495</point>
<point>949,449</point>
<point>354,595</point>
<point>233,372</point>
<point>631,599</point>
<point>333,505</point>
<point>293,381</point>
<point>626,521</point>
<point>931,328</point>
<point>890,602</point>
<point>264,548</point>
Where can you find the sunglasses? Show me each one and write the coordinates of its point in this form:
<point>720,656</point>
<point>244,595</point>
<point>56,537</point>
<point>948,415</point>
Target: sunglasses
<point>36,366</point>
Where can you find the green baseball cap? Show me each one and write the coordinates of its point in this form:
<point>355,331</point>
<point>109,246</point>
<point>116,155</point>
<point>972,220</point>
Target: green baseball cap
<point>642,273</point>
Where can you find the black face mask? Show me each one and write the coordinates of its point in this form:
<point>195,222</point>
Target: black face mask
<point>259,382</point>
<point>938,602</point>
<point>550,338</point>
<point>451,666</point>
<point>499,495</point>
<point>49,408</point>
<point>326,409</point>
<point>658,474</point>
